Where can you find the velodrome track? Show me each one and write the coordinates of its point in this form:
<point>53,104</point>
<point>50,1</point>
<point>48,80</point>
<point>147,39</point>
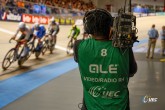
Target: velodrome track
<point>7,29</point>
<point>62,87</point>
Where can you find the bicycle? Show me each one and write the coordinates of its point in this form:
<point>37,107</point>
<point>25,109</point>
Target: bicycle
<point>37,50</point>
<point>48,44</point>
<point>69,49</point>
<point>13,55</point>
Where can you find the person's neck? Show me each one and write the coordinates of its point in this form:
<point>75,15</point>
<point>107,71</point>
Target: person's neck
<point>100,38</point>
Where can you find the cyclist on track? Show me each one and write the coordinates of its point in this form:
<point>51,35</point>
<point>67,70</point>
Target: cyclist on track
<point>74,32</point>
<point>53,29</point>
<point>39,32</point>
<point>26,36</point>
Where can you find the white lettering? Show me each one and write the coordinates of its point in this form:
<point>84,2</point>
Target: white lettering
<point>94,68</point>
<point>104,80</point>
<point>43,20</point>
<point>13,17</point>
<point>121,80</point>
<point>35,19</point>
<point>153,99</point>
<point>4,16</point>
<point>113,69</point>
<point>149,99</point>
<point>101,70</point>
<point>26,18</point>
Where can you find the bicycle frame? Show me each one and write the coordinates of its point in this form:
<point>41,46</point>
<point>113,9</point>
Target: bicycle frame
<point>12,55</point>
<point>49,43</point>
<point>16,54</point>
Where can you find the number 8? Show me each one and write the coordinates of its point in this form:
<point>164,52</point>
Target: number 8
<point>104,52</point>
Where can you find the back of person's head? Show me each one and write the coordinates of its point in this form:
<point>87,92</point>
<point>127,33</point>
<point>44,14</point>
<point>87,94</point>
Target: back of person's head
<point>98,22</point>
<point>53,21</point>
<point>163,27</point>
<point>153,26</point>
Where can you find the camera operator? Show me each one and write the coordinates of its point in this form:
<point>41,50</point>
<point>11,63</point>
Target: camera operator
<point>104,69</point>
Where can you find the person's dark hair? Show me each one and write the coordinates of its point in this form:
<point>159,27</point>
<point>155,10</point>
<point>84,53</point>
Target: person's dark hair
<point>98,22</point>
<point>153,26</point>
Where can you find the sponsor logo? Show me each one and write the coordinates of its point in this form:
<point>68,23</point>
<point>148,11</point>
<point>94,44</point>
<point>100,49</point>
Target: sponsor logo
<point>149,99</point>
<point>26,18</point>
<point>94,68</point>
<point>35,19</point>
<point>43,20</point>
<point>4,16</point>
<point>31,19</point>
<point>99,91</point>
<point>11,16</point>
<point>105,80</point>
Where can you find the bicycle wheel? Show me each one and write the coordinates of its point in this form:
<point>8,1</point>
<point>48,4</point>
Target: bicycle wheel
<point>44,48</point>
<point>38,50</point>
<point>9,58</point>
<point>37,53</point>
<point>31,49</point>
<point>52,44</point>
<point>69,48</point>
<point>22,59</point>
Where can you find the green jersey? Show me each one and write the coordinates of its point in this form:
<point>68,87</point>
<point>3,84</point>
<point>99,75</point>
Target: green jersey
<point>74,32</point>
<point>104,73</point>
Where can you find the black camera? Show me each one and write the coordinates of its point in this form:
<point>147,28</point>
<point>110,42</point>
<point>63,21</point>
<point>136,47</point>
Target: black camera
<point>124,30</point>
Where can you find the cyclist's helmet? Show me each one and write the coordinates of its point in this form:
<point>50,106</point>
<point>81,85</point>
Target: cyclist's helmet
<point>21,25</point>
<point>36,26</point>
<point>53,21</point>
<point>74,26</point>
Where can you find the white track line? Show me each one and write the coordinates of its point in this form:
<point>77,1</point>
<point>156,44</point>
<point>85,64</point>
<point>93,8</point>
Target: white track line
<point>12,33</point>
<point>6,31</point>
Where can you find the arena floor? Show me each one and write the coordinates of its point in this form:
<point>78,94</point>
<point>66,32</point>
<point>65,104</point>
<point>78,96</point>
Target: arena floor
<point>33,88</point>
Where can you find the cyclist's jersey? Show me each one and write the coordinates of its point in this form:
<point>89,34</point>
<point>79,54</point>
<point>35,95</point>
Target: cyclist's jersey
<point>53,27</point>
<point>104,73</point>
<point>40,32</point>
<point>28,32</point>
<point>74,32</point>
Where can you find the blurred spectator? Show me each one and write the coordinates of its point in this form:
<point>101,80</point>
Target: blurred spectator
<point>68,4</point>
<point>10,3</point>
<point>20,4</point>
<point>48,2</point>
<point>3,2</point>
<point>153,36</point>
<point>162,36</point>
<point>52,6</point>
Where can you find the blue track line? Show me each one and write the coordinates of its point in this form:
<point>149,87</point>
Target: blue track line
<point>17,86</point>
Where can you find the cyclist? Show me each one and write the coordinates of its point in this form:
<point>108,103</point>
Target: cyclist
<point>53,30</point>
<point>39,32</point>
<point>26,36</point>
<point>74,32</point>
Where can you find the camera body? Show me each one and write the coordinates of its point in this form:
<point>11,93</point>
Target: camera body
<point>124,30</point>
